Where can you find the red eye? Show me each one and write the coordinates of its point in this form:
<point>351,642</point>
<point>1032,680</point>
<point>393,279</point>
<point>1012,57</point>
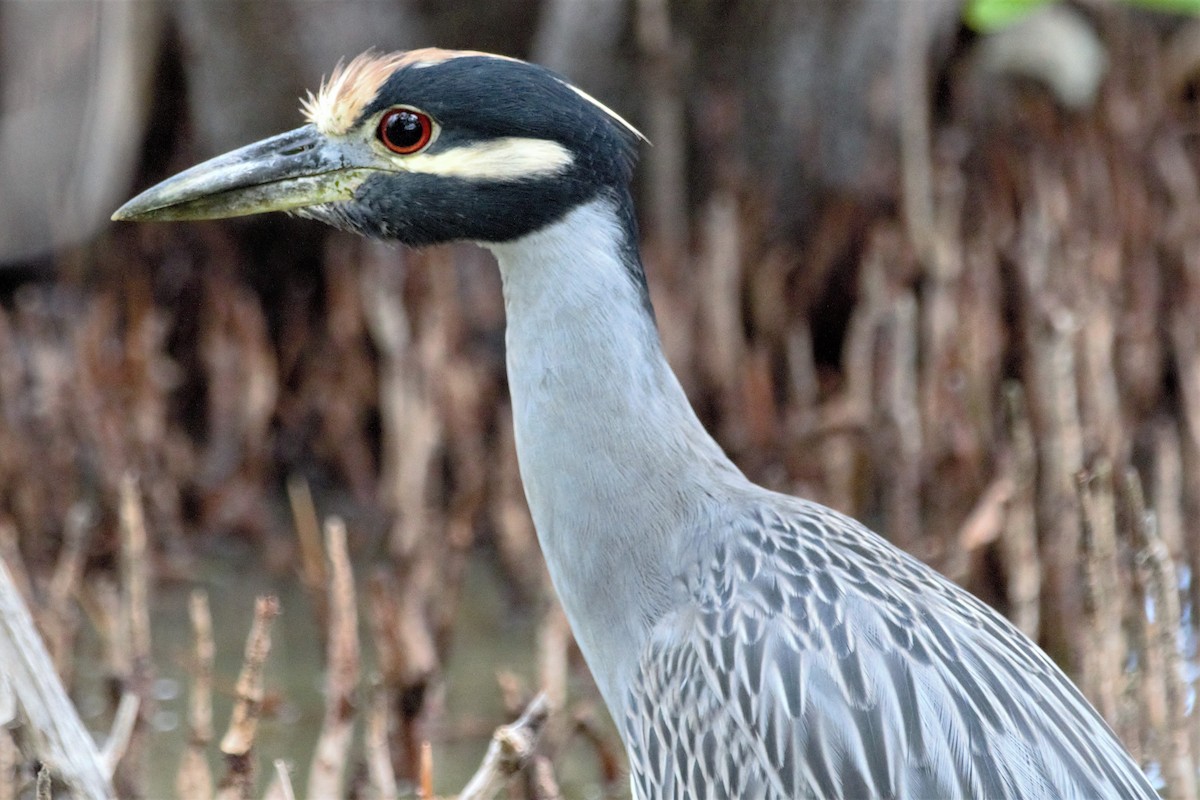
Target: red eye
<point>404,131</point>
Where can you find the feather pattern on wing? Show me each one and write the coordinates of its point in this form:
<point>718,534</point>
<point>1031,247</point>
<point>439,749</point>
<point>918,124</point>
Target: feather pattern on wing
<point>811,659</point>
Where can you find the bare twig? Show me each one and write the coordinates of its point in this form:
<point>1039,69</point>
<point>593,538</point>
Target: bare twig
<point>542,783</point>
<point>511,749</point>
<point>610,760</point>
<point>901,429</point>
<point>553,649</point>
<point>985,524</point>
<point>406,661</point>
<point>425,772</point>
<point>121,730</point>
<point>281,784</point>
<point>135,573</point>
<point>342,665</point>
<point>1156,572</point>
<point>10,554</point>
<point>308,531</point>
<point>51,726</point>
<point>379,761</point>
<point>9,759</point>
<point>1103,592</point>
<point>1054,401</point>
<point>1019,540</point>
<point>44,784</point>
<point>60,614</point>
<point>243,723</point>
<point>135,616</point>
<point>194,779</point>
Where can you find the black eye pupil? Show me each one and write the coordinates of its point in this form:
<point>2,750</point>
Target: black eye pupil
<point>403,129</point>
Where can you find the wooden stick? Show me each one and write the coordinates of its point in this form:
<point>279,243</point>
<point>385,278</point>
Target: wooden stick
<point>378,756</point>
<point>194,779</point>
<point>44,784</point>
<point>425,772</point>
<point>1050,332</point>
<point>1156,572</point>
<point>51,726</point>
<point>511,749</point>
<point>342,668</point>
<point>60,615</point>
<point>553,648</point>
<point>308,531</point>
<point>610,760</point>
<point>901,431</point>
<point>9,760</point>
<point>135,616</point>
<point>281,784</point>
<point>121,730</point>
<point>542,783</point>
<point>135,573</point>
<point>1103,594</point>
<point>243,722</point>
<point>10,554</point>
<point>1018,542</point>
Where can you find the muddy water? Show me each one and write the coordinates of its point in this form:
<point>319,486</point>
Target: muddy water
<point>490,636</point>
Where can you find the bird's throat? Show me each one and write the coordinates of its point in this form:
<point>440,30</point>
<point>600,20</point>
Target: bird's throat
<point>615,463</point>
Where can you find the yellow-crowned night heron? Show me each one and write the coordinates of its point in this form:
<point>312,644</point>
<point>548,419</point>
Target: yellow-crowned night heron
<point>749,644</point>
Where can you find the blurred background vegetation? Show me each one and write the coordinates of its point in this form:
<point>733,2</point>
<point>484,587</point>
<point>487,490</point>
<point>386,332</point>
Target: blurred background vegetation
<point>933,263</point>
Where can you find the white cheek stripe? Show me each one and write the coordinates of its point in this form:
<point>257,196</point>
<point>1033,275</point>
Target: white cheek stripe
<point>510,158</point>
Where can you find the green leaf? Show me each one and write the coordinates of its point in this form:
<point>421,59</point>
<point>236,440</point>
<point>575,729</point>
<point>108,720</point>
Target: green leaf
<point>988,15</point>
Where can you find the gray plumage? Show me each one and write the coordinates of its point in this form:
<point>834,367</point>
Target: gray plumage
<point>751,644</point>
<point>809,659</point>
<point>748,644</point>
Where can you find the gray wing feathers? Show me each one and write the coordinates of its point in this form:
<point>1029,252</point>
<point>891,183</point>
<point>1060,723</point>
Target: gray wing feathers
<point>816,661</point>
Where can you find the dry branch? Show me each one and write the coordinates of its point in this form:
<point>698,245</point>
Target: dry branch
<point>135,621</point>
<point>378,757</point>
<point>609,757</point>
<point>510,751</point>
<point>542,783</point>
<point>425,772</point>
<point>1156,574</point>
<point>342,669</point>
<point>194,779</point>
<point>51,728</point>
<point>312,558</point>
<point>900,430</point>
<point>243,723</point>
<point>9,758</point>
<point>59,616</point>
<point>1053,396</point>
<point>45,785</point>
<point>1019,540</point>
<point>10,554</point>
<point>553,650</point>
<point>122,729</point>
<point>135,576</point>
<point>1105,662</point>
<point>280,787</point>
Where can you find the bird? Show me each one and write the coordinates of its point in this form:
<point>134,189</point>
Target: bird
<point>748,644</point>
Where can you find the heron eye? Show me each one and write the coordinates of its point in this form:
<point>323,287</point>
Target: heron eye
<point>405,131</point>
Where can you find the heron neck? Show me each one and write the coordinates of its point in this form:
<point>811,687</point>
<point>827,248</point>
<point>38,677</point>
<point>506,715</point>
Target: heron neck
<point>618,471</point>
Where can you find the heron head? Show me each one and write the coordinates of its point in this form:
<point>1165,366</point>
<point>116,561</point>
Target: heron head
<point>423,147</point>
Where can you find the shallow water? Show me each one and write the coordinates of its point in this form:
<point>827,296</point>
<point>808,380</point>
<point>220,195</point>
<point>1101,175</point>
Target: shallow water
<point>490,636</point>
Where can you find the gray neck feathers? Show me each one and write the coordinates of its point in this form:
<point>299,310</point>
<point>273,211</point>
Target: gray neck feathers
<point>618,472</point>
